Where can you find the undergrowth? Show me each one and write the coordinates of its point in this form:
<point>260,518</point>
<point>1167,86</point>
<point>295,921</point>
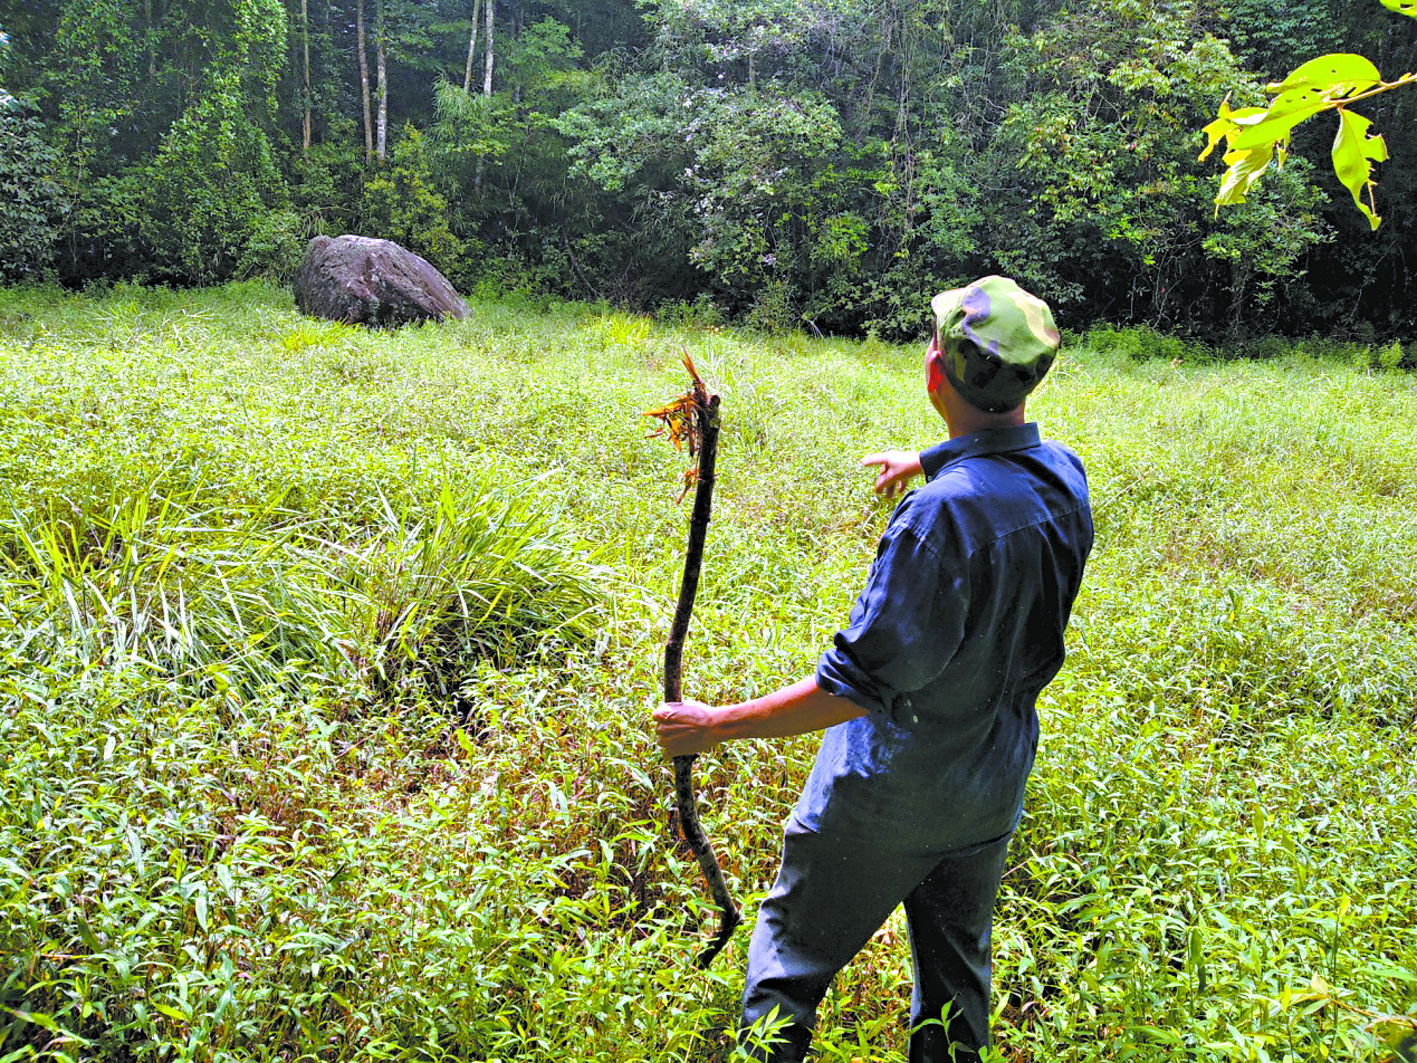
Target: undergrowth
<point>326,658</point>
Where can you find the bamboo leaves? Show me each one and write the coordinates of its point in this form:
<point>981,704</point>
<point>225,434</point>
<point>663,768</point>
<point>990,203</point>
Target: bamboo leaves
<point>1256,136</point>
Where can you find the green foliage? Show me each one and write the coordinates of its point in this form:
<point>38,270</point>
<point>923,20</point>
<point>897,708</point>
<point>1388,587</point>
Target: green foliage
<point>176,187</point>
<point>1114,80</point>
<point>772,175</point>
<point>1141,343</point>
<point>469,130</point>
<point>275,246</point>
<point>544,68</point>
<point>1275,36</point>
<point>701,313</point>
<point>1256,136</point>
<point>401,204</point>
<point>1392,356</point>
<point>311,749</point>
<point>208,196</point>
<point>804,196</point>
<point>933,215</point>
<point>213,180</point>
<point>1387,358</point>
<point>325,188</point>
<point>826,166</point>
<point>31,218</point>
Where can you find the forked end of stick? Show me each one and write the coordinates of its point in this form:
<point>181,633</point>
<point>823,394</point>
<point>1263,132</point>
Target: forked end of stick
<point>731,919</point>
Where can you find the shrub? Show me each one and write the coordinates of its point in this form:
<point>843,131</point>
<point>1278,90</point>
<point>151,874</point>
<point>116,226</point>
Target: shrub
<point>275,247</point>
<point>1142,343</point>
<point>209,192</point>
<point>700,313</point>
<point>29,219</point>
<point>401,204</point>
<point>1266,348</point>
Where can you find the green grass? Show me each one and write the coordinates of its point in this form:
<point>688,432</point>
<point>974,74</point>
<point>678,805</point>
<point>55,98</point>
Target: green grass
<point>326,659</point>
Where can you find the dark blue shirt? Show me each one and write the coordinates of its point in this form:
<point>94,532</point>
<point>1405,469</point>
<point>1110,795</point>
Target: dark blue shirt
<point>959,628</point>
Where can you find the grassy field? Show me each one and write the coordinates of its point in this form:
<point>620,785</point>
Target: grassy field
<point>326,659</point>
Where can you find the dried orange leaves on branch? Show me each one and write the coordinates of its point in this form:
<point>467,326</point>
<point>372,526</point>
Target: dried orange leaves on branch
<point>683,419</point>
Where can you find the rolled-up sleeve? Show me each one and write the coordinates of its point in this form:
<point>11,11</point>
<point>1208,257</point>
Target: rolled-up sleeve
<point>905,627</point>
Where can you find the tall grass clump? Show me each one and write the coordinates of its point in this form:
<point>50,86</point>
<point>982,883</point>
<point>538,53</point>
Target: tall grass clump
<point>326,658</point>
<point>220,595</point>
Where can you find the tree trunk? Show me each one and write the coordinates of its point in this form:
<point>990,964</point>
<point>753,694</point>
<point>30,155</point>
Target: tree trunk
<point>152,38</point>
<point>487,65</point>
<point>471,46</point>
<point>381,91</point>
<point>305,30</point>
<point>364,79</point>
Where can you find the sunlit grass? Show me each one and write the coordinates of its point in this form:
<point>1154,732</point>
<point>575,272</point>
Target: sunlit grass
<point>326,658</point>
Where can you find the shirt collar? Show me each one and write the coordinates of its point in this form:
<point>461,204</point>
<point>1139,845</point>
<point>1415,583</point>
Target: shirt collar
<point>938,458</point>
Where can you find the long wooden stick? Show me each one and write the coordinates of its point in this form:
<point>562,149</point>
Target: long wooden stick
<point>705,434</point>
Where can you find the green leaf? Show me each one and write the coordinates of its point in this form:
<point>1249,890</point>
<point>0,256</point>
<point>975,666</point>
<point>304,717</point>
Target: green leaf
<point>38,1018</point>
<point>1221,127</point>
<point>1402,7</point>
<point>90,939</point>
<point>1273,128</point>
<point>223,876</point>
<point>1227,124</point>
<point>1245,169</point>
<point>1331,76</point>
<point>1354,152</point>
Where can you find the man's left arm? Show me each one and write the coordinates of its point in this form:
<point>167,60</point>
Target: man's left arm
<point>686,727</point>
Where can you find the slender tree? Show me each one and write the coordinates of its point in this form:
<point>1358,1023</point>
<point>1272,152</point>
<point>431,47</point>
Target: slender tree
<point>305,43</point>
<point>487,64</point>
<point>471,46</point>
<point>381,92</point>
<point>364,79</point>
<point>151,37</point>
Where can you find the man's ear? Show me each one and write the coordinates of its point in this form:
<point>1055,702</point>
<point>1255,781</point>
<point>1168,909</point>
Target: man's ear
<point>934,369</point>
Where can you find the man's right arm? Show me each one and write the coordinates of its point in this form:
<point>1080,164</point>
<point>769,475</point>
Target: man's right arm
<point>684,727</point>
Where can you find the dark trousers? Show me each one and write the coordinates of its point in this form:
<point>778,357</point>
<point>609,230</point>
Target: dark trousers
<point>832,894</point>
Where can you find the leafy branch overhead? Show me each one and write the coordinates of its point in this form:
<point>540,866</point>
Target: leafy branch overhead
<point>1256,136</point>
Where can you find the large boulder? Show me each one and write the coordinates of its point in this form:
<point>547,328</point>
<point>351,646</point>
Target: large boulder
<point>361,281</point>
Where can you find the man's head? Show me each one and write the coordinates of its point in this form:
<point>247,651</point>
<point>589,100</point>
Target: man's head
<point>993,341</point>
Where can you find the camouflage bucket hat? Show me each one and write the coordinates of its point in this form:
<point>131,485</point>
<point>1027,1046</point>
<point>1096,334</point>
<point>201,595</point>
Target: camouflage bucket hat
<point>998,341</point>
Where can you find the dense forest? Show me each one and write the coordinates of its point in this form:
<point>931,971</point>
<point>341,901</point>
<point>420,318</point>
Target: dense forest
<point>817,164</point>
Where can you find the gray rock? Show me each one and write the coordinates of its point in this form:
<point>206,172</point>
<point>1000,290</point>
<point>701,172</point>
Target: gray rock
<point>361,281</point>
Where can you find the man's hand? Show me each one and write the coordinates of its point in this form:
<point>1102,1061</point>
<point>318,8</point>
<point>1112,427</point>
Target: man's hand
<point>898,468</point>
<point>684,727</point>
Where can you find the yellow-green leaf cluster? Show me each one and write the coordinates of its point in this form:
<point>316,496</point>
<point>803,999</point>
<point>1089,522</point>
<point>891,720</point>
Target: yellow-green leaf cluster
<point>1256,136</point>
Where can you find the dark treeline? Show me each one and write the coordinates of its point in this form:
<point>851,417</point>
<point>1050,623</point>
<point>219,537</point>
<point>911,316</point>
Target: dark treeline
<point>792,163</point>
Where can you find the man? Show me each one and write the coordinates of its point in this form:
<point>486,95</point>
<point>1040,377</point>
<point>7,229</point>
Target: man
<point>927,696</point>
